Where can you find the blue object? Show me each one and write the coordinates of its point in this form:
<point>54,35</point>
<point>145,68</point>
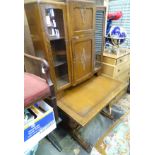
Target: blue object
<point>109,25</point>
<point>39,125</point>
<point>116,35</point>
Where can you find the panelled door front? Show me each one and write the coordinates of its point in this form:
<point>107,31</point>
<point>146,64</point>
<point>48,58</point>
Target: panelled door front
<point>82,30</point>
<point>82,58</point>
<point>82,17</point>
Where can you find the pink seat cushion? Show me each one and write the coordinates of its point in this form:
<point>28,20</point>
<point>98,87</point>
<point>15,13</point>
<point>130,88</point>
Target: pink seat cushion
<point>34,88</point>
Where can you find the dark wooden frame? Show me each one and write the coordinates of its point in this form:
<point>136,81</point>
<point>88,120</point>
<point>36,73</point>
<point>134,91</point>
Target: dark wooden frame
<point>45,72</point>
<point>53,103</point>
<point>40,38</point>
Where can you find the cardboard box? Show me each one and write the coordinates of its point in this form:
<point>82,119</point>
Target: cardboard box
<point>40,126</point>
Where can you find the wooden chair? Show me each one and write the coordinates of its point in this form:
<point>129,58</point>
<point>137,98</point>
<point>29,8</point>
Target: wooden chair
<point>36,88</point>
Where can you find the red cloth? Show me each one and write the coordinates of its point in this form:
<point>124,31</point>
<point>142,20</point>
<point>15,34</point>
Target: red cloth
<point>115,16</point>
<point>34,88</point>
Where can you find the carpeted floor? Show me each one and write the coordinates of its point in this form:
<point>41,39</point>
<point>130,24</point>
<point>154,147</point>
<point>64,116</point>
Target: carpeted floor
<point>116,141</point>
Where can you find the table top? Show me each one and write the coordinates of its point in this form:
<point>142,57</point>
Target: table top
<point>86,100</point>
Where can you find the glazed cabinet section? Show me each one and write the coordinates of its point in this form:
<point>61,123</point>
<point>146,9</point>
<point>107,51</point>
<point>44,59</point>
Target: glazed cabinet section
<point>51,29</point>
<point>64,33</point>
<point>81,16</point>
<point>54,25</point>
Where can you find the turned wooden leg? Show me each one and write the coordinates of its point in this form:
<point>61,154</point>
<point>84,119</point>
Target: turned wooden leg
<point>74,128</point>
<point>76,136</point>
<point>88,147</point>
<point>109,115</point>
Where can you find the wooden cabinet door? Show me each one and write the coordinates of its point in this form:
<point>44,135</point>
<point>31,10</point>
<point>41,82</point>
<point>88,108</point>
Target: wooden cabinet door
<point>82,17</point>
<point>81,32</point>
<point>82,58</point>
<point>58,49</point>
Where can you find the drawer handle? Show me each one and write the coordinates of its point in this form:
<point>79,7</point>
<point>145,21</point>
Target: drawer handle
<point>120,60</point>
<point>118,70</point>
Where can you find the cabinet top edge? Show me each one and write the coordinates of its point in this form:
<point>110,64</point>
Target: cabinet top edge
<point>43,1</point>
<point>125,51</point>
<point>101,7</point>
<point>88,1</point>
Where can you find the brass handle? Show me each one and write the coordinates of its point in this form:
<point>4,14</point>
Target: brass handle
<point>118,70</point>
<point>120,60</point>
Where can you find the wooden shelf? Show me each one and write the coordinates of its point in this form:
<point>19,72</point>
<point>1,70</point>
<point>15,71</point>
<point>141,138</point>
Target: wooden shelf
<point>56,38</point>
<point>58,63</point>
<point>62,52</point>
<point>63,80</point>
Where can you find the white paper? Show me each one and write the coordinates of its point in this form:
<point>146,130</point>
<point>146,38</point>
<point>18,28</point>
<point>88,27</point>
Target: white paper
<point>48,21</point>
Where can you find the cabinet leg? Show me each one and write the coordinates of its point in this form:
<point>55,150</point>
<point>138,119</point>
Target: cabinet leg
<point>54,141</point>
<point>103,113</point>
<point>73,128</point>
<point>98,73</point>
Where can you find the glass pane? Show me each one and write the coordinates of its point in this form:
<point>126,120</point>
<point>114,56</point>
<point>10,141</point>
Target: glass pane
<point>60,61</point>
<point>55,29</point>
<point>54,23</point>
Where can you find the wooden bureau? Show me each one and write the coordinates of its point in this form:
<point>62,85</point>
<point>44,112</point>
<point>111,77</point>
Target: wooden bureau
<point>117,66</point>
<point>70,36</point>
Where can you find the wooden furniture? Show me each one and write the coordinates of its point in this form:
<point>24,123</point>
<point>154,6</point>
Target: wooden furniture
<point>30,65</point>
<point>44,88</point>
<point>48,26</point>
<point>82,28</point>
<point>64,34</point>
<point>36,88</point>
<point>70,36</point>
<point>117,66</point>
<point>85,101</point>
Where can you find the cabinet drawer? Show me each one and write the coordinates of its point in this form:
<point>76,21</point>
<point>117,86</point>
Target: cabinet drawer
<point>115,71</point>
<point>122,68</point>
<point>124,76</point>
<point>109,60</point>
<point>108,69</point>
<point>122,59</point>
